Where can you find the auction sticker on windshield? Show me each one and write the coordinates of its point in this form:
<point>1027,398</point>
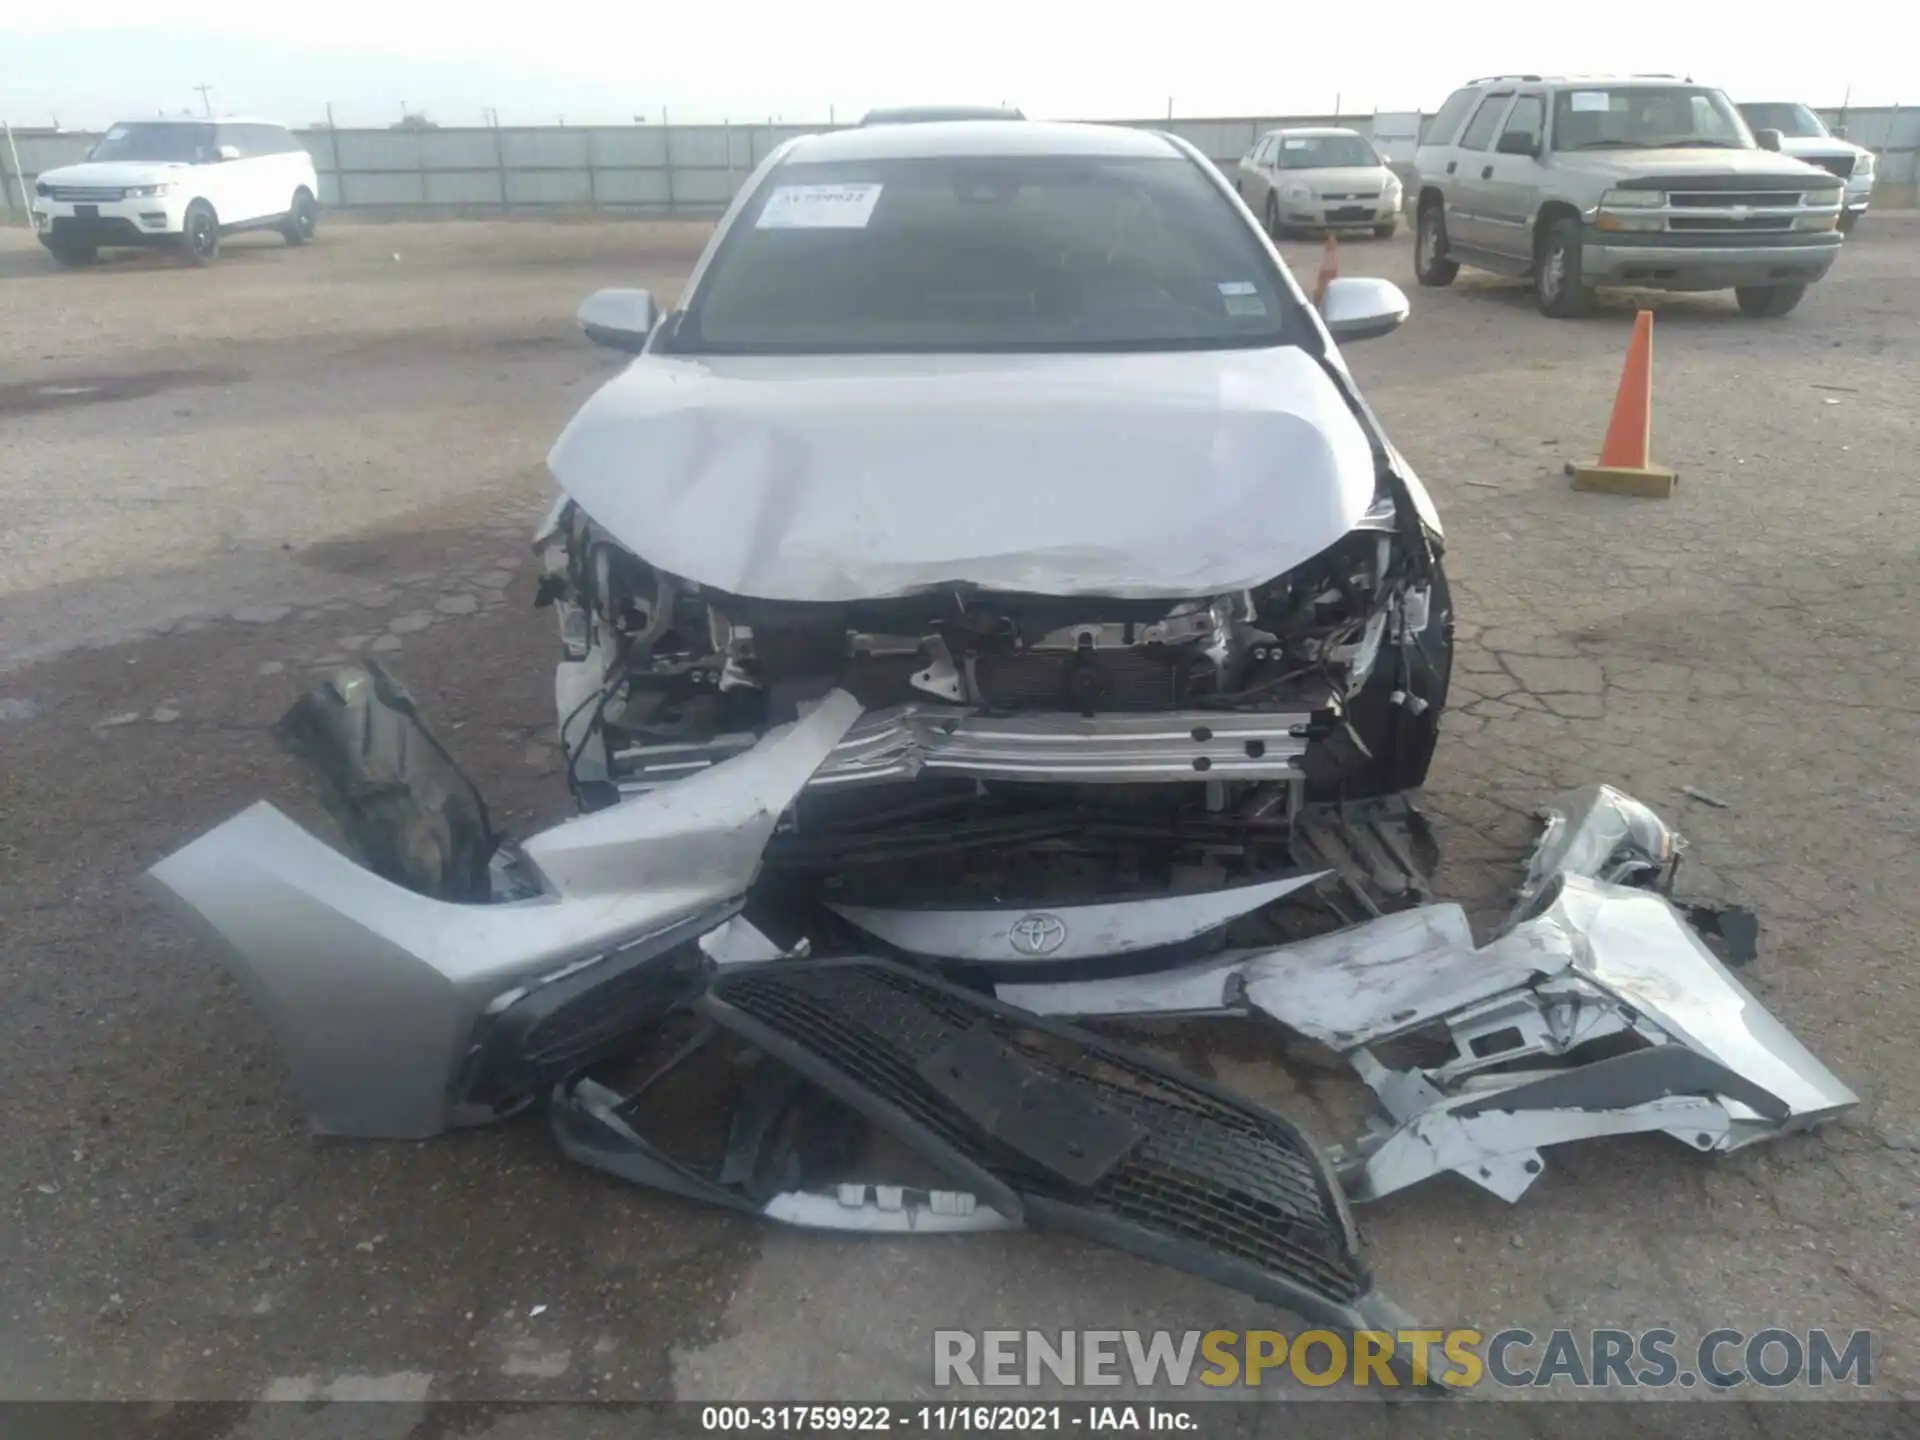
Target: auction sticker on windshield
<point>1590,100</point>
<point>819,207</point>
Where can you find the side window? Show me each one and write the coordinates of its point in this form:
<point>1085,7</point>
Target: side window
<point>234,135</point>
<point>1479,132</point>
<point>1527,118</point>
<point>1446,121</point>
<point>1263,152</point>
<point>285,142</point>
<point>264,140</point>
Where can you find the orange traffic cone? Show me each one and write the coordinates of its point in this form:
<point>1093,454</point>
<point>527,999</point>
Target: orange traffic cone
<point>1329,271</point>
<point>1624,468</point>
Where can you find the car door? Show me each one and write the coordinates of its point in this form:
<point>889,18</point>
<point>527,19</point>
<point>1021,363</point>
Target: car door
<point>1511,176</point>
<point>1254,181</point>
<point>232,181</point>
<point>1468,174</point>
<point>286,159</point>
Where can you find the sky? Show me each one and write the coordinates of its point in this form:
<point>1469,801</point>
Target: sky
<point>582,61</point>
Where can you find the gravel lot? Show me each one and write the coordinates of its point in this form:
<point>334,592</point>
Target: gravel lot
<point>217,482</point>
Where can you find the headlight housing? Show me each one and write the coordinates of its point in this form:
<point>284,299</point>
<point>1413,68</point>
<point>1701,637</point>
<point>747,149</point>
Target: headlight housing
<point>1298,190</point>
<point>42,189</point>
<point>147,192</point>
<point>1863,163</point>
<point>1616,201</point>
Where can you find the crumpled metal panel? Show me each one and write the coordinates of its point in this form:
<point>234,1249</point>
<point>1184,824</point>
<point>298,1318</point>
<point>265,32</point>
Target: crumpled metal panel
<point>1343,989</point>
<point>833,477</point>
<point>374,991</point>
<point>1066,932</point>
<point>1636,946</point>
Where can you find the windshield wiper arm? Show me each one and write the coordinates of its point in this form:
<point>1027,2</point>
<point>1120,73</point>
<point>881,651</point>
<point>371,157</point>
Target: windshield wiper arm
<point>1698,145</point>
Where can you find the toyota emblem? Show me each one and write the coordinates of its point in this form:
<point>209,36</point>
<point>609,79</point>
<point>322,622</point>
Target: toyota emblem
<point>1037,934</point>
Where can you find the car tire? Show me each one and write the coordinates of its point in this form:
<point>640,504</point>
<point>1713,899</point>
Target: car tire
<point>1848,220</point>
<point>1765,301</point>
<point>1399,742</point>
<point>1386,231</point>
<point>1430,263</point>
<point>302,219</point>
<point>200,234</point>
<point>1274,228</point>
<point>1558,287</point>
<point>73,257</point>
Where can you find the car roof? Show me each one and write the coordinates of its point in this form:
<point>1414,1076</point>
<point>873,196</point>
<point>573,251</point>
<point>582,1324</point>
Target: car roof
<point>940,138</point>
<point>204,120</point>
<point>927,114</point>
<point>1316,132</point>
<point>1611,82</point>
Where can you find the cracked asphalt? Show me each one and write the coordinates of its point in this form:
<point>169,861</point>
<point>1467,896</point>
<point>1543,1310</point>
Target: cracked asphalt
<point>216,484</point>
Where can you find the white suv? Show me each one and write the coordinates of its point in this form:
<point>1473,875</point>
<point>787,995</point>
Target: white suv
<point>179,184</point>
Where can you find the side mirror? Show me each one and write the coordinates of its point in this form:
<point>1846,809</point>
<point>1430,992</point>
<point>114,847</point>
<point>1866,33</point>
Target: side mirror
<point>1839,132</point>
<point>229,152</point>
<point>1361,308</point>
<point>1768,139</point>
<point>1517,144</point>
<point>619,319</point>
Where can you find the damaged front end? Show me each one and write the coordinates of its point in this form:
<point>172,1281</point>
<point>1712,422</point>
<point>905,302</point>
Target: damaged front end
<point>608,967</point>
<point>1029,749</point>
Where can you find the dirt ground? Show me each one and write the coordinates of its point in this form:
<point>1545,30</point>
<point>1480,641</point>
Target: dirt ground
<point>216,483</point>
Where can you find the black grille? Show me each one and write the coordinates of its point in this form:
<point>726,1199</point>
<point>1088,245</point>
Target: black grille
<point>1145,678</point>
<point>1841,165</point>
<point>85,192</point>
<point>1733,225</point>
<point>1725,199</point>
<point>1210,1172</point>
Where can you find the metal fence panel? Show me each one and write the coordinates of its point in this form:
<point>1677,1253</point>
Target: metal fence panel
<point>695,169</point>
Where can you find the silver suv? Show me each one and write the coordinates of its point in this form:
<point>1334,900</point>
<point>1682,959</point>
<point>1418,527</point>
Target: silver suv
<point>1644,181</point>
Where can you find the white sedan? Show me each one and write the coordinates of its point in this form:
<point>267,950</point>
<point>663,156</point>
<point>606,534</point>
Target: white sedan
<point>1319,179</point>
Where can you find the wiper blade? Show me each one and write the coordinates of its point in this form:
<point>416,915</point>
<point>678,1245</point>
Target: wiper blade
<point>1698,145</point>
<point>1610,145</point>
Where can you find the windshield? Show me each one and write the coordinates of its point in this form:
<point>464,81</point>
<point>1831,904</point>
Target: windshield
<point>1320,152</point>
<point>1646,117</point>
<point>188,144</point>
<point>987,254</point>
<point>1796,122</point>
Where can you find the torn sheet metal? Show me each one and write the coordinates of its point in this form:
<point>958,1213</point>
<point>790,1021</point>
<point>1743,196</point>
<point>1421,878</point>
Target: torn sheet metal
<point>1020,934</point>
<point>1604,834</point>
<point>378,994</point>
<point>907,741</point>
<point>1339,988</point>
<point>1598,1011</point>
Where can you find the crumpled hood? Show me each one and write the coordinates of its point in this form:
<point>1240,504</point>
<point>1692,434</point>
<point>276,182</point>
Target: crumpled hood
<point>114,172</point>
<point>825,478</point>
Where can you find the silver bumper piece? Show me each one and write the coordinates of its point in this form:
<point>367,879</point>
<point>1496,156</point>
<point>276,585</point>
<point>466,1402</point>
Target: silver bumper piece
<point>1067,932</point>
<point>1587,960</point>
<point>374,991</point>
<point>912,740</point>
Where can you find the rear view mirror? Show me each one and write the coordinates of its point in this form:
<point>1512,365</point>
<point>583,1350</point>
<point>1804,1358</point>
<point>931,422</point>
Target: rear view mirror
<point>1361,308</point>
<point>1517,144</point>
<point>1768,139</point>
<point>229,152</point>
<point>619,319</point>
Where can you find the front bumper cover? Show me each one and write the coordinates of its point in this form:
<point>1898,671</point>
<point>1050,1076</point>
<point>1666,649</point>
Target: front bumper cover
<point>1595,1011</point>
